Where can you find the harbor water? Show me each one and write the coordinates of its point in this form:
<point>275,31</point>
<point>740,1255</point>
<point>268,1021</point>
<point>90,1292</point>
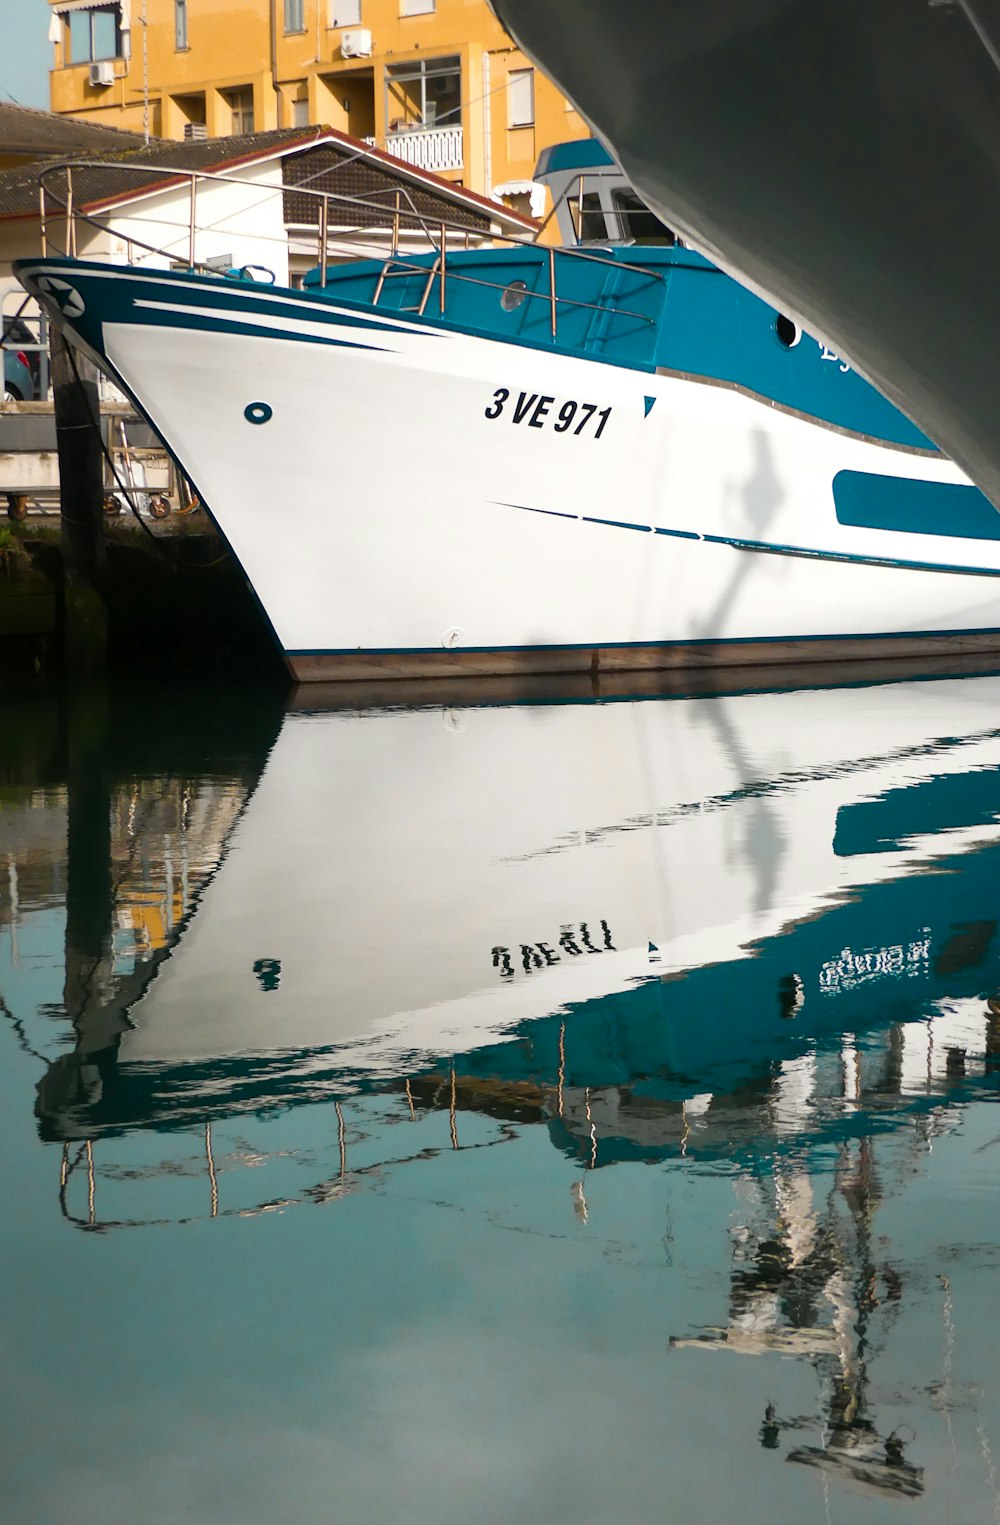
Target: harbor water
<point>574,1109</point>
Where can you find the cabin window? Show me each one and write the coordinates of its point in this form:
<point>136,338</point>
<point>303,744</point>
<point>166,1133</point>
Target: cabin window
<point>589,223</point>
<point>635,220</point>
<point>424,93</point>
<point>241,106</point>
<point>95,34</point>
<point>295,20</point>
<point>344,13</point>
<point>180,25</point>
<point>521,98</point>
<point>416,7</point>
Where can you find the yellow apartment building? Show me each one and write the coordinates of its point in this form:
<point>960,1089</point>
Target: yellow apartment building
<point>437,83</point>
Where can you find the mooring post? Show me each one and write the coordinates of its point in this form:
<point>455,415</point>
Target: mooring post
<point>81,496</point>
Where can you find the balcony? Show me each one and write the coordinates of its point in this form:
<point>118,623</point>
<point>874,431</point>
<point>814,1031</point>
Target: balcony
<point>433,148</point>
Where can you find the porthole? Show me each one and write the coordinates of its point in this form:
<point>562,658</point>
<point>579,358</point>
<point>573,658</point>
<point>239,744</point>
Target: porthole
<point>788,331</point>
<point>513,295</point>
<point>258,413</point>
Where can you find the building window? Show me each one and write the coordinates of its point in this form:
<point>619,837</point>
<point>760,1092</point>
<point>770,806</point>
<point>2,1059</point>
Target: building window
<point>416,7</point>
<point>344,13</point>
<point>425,93</point>
<point>521,98</point>
<point>180,25</point>
<point>241,105</point>
<point>191,116</point>
<point>95,34</point>
<point>300,113</point>
<point>295,20</point>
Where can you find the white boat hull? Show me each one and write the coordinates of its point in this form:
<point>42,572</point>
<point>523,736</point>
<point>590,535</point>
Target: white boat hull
<point>393,517</point>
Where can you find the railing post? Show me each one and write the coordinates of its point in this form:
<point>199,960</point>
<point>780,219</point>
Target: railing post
<point>552,288</point>
<point>194,224</point>
<point>395,227</point>
<point>428,284</point>
<point>41,219</point>
<point>70,226</point>
<point>444,252</point>
<point>324,226</point>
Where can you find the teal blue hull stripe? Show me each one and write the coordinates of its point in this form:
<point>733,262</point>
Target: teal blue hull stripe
<point>763,547</point>
<point>678,534</point>
<point>220,323</point>
<point>616,524</point>
<point>720,641</point>
<point>893,562</point>
<point>869,501</point>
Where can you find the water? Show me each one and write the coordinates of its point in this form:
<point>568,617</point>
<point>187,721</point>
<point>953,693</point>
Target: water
<point>561,1112</point>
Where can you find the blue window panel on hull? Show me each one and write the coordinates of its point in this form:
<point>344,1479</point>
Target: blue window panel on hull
<point>867,501</point>
<point>939,804</point>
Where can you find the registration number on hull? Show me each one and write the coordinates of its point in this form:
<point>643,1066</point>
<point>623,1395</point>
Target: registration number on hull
<point>538,410</point>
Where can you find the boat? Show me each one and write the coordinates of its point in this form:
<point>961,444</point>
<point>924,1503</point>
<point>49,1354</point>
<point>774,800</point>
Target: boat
<point>526,459</point>
<point>678,908</point>
<point>840,157</point>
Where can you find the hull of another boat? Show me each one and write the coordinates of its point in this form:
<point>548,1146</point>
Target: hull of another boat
<point>840,157</point>
<point>402,501</point>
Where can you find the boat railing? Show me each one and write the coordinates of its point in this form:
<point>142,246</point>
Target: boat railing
<point>63,212</point>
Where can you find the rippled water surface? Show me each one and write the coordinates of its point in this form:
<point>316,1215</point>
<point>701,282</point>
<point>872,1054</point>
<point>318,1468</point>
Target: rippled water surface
<point>546,1112</point>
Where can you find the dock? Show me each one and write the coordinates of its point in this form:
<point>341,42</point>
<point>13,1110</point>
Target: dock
<point>29,465</point>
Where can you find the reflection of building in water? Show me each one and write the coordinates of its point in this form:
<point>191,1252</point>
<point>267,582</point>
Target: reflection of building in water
<point>32,852</point>
<point>167,838</point>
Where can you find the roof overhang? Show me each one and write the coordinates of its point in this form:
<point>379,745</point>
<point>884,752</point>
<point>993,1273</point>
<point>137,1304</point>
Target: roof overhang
<point>171,178</point>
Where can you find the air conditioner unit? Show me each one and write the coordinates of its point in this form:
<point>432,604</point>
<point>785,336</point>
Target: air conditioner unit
<point>194,132</point>
<point>357,43</point>
<point>102,73</point>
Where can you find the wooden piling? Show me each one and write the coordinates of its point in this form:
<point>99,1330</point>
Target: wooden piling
<point>81,489</point>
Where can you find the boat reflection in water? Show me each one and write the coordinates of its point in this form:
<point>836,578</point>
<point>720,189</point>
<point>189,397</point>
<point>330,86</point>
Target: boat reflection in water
<point>754,936</point>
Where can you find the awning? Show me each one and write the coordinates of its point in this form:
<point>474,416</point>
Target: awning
<point>530,188</point>
<point>66,7</point>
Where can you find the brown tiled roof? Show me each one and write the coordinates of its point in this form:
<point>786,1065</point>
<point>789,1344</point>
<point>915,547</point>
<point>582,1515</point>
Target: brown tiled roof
<point>334,168</point>
<point>98,183</point>
<point>345,165</point>
<point>23,130</point>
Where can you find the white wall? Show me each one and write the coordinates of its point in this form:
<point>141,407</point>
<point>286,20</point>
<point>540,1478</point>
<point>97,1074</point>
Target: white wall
<point>244,221</point>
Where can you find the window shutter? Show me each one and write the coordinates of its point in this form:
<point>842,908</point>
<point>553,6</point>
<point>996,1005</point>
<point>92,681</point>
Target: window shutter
<point>521,98</point>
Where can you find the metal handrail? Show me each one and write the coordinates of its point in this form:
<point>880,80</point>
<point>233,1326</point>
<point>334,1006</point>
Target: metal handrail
<point>405,267</point>
<point>71,211</point>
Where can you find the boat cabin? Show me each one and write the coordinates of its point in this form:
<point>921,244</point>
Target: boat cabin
<point>592,200</point>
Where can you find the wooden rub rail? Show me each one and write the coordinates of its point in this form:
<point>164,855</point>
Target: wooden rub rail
<point>59,204</point>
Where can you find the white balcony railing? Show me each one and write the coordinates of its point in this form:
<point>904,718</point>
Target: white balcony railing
<point>433,148</point>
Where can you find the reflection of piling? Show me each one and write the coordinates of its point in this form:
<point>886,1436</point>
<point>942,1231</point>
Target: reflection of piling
<point>81,487</point>
<point>89,891</point>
